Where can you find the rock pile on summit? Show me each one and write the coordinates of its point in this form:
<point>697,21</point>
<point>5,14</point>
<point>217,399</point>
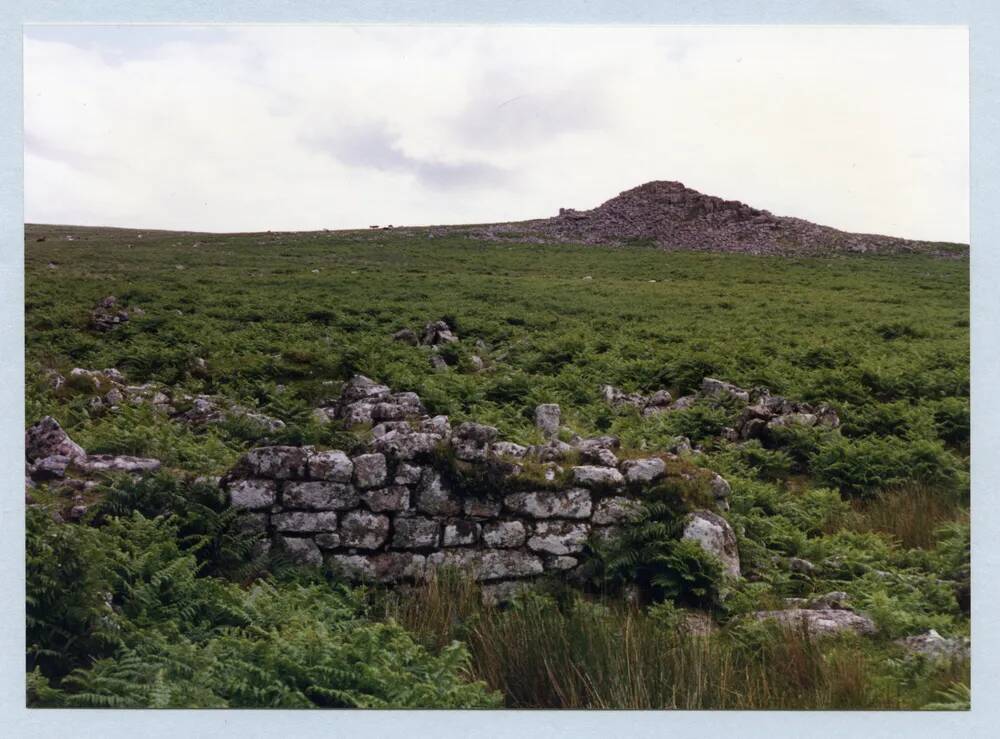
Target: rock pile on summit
<point>676,217</point>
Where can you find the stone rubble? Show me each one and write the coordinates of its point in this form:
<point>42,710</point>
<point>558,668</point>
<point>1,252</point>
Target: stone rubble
<point>762,415</point>
<point>52,457</point>
<point>108,314</point>
<point>673,216</point>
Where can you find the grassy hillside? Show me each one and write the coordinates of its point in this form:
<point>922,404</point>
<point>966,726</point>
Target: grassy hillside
<point>280,320</point>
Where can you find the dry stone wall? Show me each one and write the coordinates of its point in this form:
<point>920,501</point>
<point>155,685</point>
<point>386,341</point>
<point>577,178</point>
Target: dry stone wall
<point>415,498</point>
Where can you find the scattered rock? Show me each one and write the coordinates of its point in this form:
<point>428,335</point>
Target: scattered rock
<point>547,419</point>
<point>819,622</point>
<point>714,534</point>
<point>407,336</point>
<point>108,314</point>
<point>47,438</point>
<point>437,332</point>
<point>98,463</point>
<point>932,644</point>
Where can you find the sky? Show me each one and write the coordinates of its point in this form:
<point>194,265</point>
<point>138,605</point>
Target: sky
<point>247,128</point>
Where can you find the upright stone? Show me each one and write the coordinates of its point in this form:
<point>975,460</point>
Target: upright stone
<point>547,419</point>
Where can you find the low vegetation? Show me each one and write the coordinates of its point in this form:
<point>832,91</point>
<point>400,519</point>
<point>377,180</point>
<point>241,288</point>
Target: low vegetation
<point>159,598</point>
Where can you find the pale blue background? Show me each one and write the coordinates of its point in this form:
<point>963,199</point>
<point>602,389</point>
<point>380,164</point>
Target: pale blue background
<point>983,18</point>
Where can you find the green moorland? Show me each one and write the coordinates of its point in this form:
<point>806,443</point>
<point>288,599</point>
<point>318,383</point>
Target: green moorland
<point>157,599</point>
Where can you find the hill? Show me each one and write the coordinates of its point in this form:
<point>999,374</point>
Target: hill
<point>673,216</point>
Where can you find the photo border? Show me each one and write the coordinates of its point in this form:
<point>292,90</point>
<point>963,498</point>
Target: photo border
<point>983,20</point>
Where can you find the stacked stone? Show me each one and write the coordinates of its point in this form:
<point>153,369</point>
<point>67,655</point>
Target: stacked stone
<point>392,513</point>
<point>392,516</point>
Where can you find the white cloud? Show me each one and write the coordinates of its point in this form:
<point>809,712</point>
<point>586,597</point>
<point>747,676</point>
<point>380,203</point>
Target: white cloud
<point>309,127</point>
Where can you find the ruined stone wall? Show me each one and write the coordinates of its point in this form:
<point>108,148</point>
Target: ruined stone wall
<point>421,495</point>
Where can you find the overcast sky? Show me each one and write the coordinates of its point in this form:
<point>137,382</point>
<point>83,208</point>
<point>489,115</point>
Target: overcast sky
<point>265,127</point>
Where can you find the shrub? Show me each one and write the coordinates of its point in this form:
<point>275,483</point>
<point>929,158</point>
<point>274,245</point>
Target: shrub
<point>864,466</point>
<point>158,634</point>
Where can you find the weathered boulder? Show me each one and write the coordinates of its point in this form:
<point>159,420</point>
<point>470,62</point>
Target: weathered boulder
<point>504,534</point>
<point>470,441</point>
<point>801,566</point>
<point>552,451</point>
<point>434,498</point>
<point>804,420</point>
<point>407,336</point>
<point>712,387</point>
<point>547,418</point>
<point>320,495</point>
<point>598,477</point>
<point>333,465</point>
<point>481,507</point>
<point>302,550</point>
<point>508,449</point>
<point>644,471</point>
<point>363,530</point>
<point>370,470</point>
<point>437,332</point>
<point>439,425</point>
<point>488,564</point>
<point>108,314</point>
<point>596,452</point>
<point>392,498</point>
<point>384,427</point>
<point>684,402</point>
<point>387,567</point>
<point>460,533</point>
<point>658,402</point>
<point>204,410</point>
<point>932,644</point>
<point>819,622</point>
<point>416,533</point>
<point>714,534</point>
<point>49,468</point>
<point>98,463</point>
<point>616,510</point>
<point>407,474</point>
<point>408,445</point>
<point>618,398</point>
<point>360,387</point>
<point>47,438</point>
<point>252,494</point>
<point>276,462</point>
<point>305,522</point>
<point>573,503</point>
<point>558,537</point>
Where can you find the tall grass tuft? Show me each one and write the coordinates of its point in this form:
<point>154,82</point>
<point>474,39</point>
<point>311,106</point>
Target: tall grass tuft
<point>543,653</point>
<point>911,514</point>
